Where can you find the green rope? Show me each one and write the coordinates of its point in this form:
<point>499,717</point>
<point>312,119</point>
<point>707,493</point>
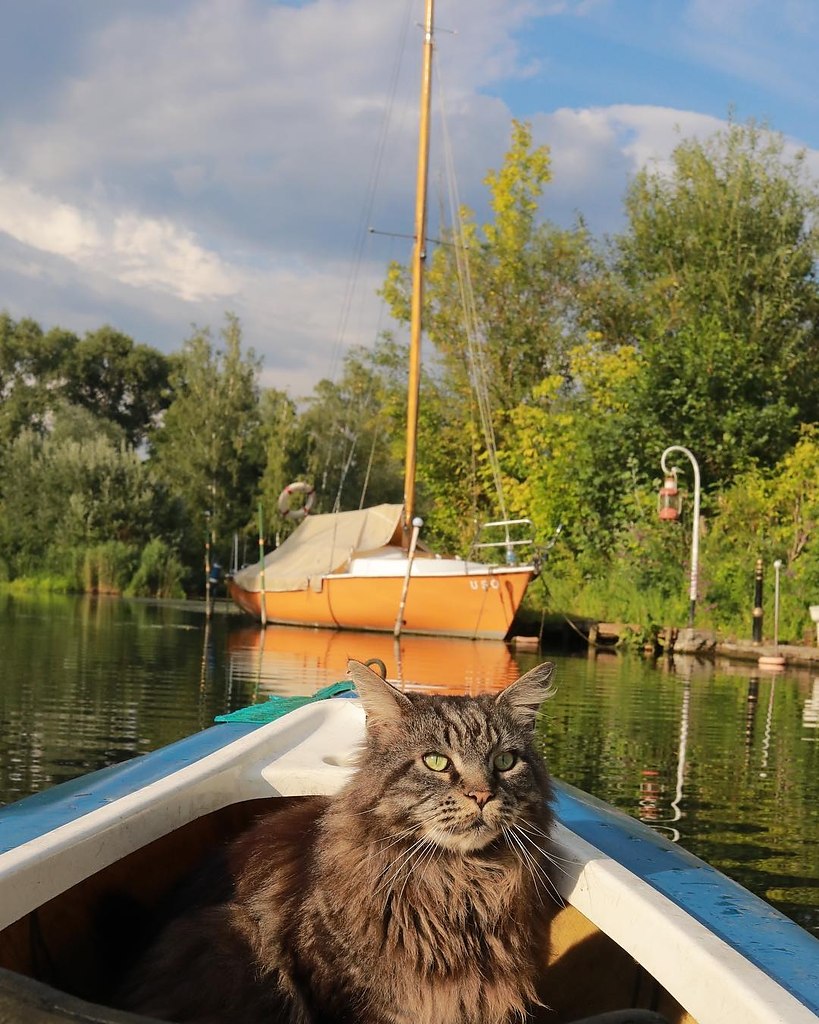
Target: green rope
<point>275,707</point>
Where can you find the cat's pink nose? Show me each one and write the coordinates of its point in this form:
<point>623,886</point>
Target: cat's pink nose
<point>480,796</point>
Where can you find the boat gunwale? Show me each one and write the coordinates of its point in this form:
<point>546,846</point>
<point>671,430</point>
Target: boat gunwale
<point>611,849</point>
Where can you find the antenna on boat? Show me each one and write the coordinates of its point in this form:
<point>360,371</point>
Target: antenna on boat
<point>418,258</point>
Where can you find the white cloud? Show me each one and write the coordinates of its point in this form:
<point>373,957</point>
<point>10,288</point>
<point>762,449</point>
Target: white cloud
<point>595,151</point>
<point>139,251</point>
<point>199,155</point>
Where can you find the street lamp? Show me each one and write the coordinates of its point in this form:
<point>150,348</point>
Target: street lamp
<point>670,510</point>
<point>777,567</point>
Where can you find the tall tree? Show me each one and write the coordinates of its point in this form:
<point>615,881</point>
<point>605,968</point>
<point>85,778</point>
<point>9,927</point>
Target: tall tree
<point>519,274</point>
<point>209,447</point>
<point>31,362</point>
<point>502,311</point>
<point>118,380</point>
<point>720,257</point>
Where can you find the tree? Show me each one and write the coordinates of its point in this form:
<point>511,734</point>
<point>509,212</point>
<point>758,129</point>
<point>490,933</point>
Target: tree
<point>523,275</point>
<point>116,379</point>
<point>75,486</point>
<point>30,370</point>
<point>719,258</point>
<point>352,430</point>
<point>209,448</point>
<point>502,311</point>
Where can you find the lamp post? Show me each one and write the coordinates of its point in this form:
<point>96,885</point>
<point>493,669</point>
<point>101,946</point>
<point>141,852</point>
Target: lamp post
<point>670,510</point>
<point>777,567</point>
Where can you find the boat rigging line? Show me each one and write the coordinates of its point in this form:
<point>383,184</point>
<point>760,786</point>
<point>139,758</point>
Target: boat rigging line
<point>475,340</point>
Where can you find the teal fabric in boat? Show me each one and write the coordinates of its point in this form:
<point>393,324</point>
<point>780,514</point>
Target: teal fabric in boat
<point>275,707</point>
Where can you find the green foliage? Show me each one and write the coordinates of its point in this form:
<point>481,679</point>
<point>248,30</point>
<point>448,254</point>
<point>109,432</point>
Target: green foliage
<point>108,567</point>
<point>71,489</point>
<point>350,430</point>
<point>159,574</point>
<point>768,514</point>
<point>524,280</point>
<point>209,449</point>
<point>29,363</point>
<point>719,258</point>
<point>119,381</point>
<point>105,373</point>
<point>699,326</point>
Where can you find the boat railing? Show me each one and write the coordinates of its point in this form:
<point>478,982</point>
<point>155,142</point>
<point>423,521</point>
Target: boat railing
<point>510,542</point>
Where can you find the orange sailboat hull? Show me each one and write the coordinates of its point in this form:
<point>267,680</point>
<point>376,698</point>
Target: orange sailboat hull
<point>475,605</point>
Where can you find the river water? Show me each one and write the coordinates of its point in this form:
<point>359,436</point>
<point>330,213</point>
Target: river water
<point>720,757</point>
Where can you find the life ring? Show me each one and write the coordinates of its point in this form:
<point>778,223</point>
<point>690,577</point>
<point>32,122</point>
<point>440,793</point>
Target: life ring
<point>297,514</point>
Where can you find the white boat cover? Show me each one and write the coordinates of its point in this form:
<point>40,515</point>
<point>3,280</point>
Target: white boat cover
<point>323,544</point>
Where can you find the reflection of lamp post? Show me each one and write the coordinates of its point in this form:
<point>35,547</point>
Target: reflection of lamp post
<point>670,509</point>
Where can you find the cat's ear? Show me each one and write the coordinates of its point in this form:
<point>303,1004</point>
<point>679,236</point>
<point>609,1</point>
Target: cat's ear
<point>382,702</point>
<point>525,695</point>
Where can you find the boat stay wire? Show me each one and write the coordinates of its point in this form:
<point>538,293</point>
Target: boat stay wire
<point>475,341</point>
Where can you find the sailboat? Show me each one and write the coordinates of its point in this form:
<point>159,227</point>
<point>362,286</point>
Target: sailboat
<point>366,569</point>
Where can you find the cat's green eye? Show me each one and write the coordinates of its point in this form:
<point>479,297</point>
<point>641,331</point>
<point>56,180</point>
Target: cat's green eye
<point>505,760</point>
<point>436,762</point>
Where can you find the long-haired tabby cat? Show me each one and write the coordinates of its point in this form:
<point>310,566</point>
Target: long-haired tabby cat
<point>419,895</point>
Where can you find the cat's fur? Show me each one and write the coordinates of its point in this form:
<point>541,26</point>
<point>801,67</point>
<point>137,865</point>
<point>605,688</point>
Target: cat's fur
<point>415,896</point>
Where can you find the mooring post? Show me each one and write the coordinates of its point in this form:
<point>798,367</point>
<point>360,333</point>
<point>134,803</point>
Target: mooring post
<point>757,626</point>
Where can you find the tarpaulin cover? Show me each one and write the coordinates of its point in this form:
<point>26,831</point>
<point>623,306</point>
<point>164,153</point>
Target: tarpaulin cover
<point>323,544</point>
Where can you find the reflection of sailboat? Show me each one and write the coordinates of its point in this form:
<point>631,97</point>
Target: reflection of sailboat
<point>364,569</point>
<point>299,661</point>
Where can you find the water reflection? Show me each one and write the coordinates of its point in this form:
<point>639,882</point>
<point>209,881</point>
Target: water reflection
<point>291,660</point>
<point>810,712</point>
<point>711,753</point>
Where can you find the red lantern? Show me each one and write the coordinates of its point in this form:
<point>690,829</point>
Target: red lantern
<point>669,500</point>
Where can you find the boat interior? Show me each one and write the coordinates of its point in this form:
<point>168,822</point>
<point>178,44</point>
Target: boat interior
<point>79,943</point>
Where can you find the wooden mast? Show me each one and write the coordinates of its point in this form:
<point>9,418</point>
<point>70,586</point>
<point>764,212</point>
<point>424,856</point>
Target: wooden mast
<point>418,259</point>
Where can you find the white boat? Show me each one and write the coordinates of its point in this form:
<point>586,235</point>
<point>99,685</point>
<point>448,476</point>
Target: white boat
<point>645,924</point>
<point>365,569</point>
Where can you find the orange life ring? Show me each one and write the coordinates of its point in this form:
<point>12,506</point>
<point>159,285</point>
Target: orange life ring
<point>298,513</point>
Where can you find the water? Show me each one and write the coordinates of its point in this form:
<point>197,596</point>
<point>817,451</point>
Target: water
<point>721,758</point>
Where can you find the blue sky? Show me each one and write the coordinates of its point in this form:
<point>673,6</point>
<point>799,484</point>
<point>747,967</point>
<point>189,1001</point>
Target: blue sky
<point>163,161</point>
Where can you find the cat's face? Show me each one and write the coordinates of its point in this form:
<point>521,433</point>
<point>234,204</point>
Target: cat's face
<point>454,771</point>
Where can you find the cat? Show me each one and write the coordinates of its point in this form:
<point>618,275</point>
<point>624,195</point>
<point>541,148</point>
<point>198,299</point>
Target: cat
<point>420,894</point>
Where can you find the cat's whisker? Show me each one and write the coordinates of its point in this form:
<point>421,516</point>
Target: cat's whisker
<point>398,863</point>
<point>544,875</point>
<point>423,858</point>
<point>523,856</point>
<point>520,853</point>
<point>530,826</point>
<point>553,857</point>
<point>541,870</point>
<point>396,837</point>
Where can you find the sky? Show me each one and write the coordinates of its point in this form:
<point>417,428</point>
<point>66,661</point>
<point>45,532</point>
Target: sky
<point>163,162</point>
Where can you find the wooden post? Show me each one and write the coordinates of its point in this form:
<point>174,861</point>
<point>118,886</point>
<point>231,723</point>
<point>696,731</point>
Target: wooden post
<point>757,622</point>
